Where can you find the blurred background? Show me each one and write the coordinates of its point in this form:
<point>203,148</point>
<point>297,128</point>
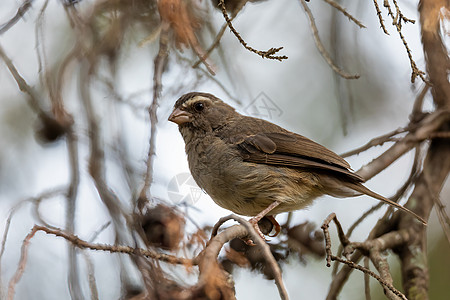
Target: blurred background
<point>108,49</point>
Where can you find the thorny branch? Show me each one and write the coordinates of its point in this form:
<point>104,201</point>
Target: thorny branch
<point>397,20</point>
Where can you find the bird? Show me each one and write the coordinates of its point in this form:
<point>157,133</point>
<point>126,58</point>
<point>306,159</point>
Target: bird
<point>256,168</point>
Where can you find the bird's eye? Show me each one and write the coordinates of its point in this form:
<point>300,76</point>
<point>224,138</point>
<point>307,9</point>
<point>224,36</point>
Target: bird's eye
<point>199,106</point>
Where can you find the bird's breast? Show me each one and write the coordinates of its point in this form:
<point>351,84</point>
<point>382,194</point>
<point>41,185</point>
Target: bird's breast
<point>247,188</point>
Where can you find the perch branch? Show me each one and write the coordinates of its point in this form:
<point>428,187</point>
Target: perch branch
<point>247,229</point>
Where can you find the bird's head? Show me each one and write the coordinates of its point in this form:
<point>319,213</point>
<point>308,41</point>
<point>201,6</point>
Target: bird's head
<point>201,112</point>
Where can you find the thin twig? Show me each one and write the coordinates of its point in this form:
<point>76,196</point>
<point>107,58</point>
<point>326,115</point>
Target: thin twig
<point>380,17</point>
<point>353,227</point>
<point>91,276</point>
<point>97,168</point>
<point>321,47</point>
<point>22,263</point>
<point>396,21</point>
<point>159,63</point>
<point>219,35</point>
<point>20,12</point>
<point>98,231</point>
<point>367,279</point>
<point>71,197</point>
<point>383,282</point>
<point>378,141</point>
<point>422,131</point>
<point>264,54</point>
<point>44,195</point>
<point>342,237</point>
<point>33,99</point>
<point>417,110</point>
<point>444,219</point>
<point>39,36</point>
<point>214,44</point>
<point>330,257</point>
<point>76,241</point>
<point>344,11</point>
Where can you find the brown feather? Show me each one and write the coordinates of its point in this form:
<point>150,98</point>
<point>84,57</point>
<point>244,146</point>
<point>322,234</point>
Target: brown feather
<point>362,189</point>
<point>283,148</point>
<point>298,162</point>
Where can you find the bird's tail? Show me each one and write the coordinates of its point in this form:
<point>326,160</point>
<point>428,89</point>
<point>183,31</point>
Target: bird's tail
<point>362,189</point>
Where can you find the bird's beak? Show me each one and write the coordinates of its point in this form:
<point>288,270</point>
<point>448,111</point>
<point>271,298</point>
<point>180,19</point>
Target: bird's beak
<point>179,116</point>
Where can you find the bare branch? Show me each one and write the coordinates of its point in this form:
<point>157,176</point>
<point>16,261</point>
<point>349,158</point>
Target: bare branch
<point>330,257</point>
<point>22,263</point>
<point>97,157</point>
<point>378,141</point>
<point>91,277</point>
<point>214,44</point>
<point>248,230</point>
<point>264,54</point>
<point>33,98</point>
<point>380,17</point>
<point>20,12</point>
<point>79,243</point>
<point>320,46</point>
<point>367,279</point>
<point>422,131</point>
<point>344,11</point>
<point>396,21</point>
<point>159,63</point>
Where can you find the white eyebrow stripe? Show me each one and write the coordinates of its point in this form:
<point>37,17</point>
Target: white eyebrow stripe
<point>195,99</point>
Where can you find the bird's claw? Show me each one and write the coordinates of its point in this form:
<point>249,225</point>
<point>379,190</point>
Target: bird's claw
<point>275,224</point>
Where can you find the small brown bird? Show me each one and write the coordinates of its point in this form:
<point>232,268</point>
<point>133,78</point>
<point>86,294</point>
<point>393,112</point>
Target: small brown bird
<point>256,168</point>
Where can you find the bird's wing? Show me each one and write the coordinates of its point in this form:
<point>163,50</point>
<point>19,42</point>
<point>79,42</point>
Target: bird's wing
<point>291,150</point>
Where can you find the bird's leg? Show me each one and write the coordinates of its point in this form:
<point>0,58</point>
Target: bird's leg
<point>254,221</point>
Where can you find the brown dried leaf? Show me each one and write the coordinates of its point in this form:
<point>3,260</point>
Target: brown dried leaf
<point>181,20</point>
<point>163,227</point>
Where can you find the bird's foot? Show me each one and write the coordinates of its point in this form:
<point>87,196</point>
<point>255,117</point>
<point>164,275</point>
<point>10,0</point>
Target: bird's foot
<point>275,224</point>
<point>268,224</point>
<point>254,222</point>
